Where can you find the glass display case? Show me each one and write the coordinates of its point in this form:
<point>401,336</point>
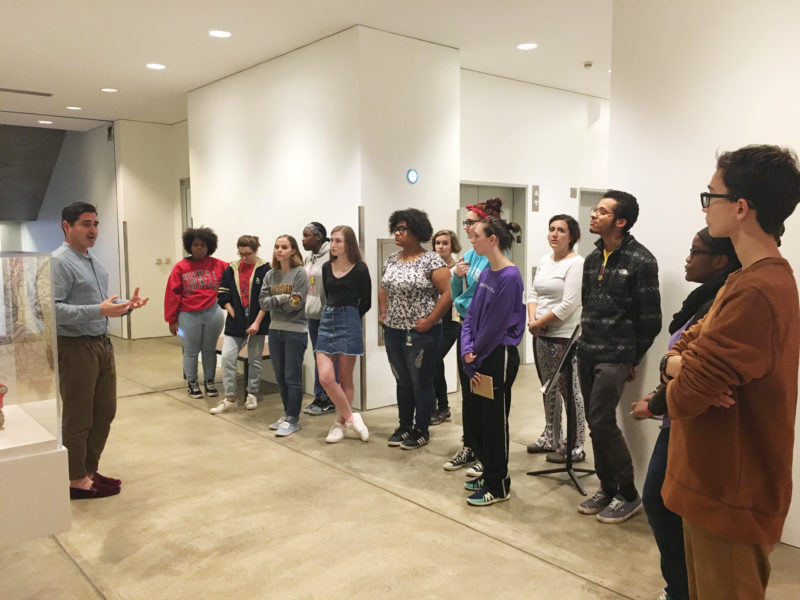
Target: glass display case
<point>34,495</point>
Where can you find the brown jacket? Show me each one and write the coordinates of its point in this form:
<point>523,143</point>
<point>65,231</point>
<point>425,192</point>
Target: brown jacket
<point>730,469</point>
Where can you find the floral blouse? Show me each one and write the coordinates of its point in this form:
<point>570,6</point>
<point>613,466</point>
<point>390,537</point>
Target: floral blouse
<point>410,293</point>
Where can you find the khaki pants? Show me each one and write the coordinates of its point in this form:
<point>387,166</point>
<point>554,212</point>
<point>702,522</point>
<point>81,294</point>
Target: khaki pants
<point>87,380</point>
<point>721,569</point>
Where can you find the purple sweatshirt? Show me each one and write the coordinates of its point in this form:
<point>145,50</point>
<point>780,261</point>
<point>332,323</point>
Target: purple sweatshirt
<point>496,316</point>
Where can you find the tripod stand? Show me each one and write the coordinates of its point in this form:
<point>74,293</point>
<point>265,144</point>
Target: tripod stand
<point>562,378</point>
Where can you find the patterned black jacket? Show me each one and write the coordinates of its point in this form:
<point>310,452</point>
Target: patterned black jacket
<point>622,311</point>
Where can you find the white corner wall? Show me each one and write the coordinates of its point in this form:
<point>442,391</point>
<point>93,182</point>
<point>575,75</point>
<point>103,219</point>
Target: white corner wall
<point>84,172</point>
<point>315,134</point>
<point>690,79</point>
<point>151,160</point>
<point>516,133</point>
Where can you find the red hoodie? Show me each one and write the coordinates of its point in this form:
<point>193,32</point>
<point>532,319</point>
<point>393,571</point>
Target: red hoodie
<point>192,286</point>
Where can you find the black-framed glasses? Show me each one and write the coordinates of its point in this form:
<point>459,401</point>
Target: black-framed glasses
<point>693,252</point>
<point>468,222</point>
<point>399,229</point>
<point>245,254</point>
<point>705,198</point>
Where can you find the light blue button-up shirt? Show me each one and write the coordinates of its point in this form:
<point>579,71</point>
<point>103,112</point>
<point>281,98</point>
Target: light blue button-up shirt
<point>80,284</point>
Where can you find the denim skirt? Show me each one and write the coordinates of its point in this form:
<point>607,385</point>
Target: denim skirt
<point>340,331</point>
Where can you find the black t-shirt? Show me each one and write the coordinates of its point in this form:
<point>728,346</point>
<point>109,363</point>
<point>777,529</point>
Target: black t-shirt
<point>353,289</point>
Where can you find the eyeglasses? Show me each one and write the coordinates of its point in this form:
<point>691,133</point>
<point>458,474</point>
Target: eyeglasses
<point>468,222</point>
<point>705,198</point>
<point>245,254</point>
<point>399,229</point>
<point>600,211</point>
<point>693,252</point>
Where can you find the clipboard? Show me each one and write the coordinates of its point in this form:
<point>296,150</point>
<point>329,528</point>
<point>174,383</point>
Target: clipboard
<point>485,388</point>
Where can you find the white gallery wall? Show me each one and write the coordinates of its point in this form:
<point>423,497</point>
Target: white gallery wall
<point>316,133</point>
<point>151,160</point>
<point>84,172</point>
<point>520,134</point>
<point>691,79</point>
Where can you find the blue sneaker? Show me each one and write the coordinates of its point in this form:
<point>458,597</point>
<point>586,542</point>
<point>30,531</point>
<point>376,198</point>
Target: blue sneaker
<point>287,428</point>
<point>473,485</point>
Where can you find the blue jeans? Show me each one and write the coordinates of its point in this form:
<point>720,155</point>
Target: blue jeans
<point>412,367</point>
<point>666,525</point>
<point>286,350</point>
<point>201,330</point>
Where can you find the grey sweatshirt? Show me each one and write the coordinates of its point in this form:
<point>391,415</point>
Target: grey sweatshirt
<point>276,297</point>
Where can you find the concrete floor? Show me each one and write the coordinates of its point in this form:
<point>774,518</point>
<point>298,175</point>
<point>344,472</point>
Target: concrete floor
<point>217,507</point>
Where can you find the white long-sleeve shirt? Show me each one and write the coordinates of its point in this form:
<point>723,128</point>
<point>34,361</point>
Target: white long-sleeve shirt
<point>557,288</point>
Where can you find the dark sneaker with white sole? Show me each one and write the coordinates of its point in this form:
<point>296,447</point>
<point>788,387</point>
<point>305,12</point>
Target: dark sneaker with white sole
<point>620,510</point>
<point>211,389</point>
<point>400,434</point>
<point>463,458</point>
<point>416,439</point>
<point>194,390</point>
<point>598,502</point>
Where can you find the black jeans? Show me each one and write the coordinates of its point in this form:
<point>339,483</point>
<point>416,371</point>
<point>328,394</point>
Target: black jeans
<point>451,331</point>
<point>601,386</point>
<point>411,356</point>
<point>486,419</point>
<point>666,525</point>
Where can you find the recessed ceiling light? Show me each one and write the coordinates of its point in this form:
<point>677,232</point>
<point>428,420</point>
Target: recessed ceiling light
<point>527,46</point>
<point>46,122</point>
<point>156,66</point>
<point>73,108</point>
<point>219,33</point>
<point>109,90</point>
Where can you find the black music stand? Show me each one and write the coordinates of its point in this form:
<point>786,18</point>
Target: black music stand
<point>563,378</point>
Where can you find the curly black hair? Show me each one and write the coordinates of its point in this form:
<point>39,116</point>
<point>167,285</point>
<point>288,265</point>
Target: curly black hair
<point>416,220</point>
<point>204,234</point>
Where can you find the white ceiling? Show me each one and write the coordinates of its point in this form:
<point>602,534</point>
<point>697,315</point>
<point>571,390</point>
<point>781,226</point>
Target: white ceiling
<point>72,49</point>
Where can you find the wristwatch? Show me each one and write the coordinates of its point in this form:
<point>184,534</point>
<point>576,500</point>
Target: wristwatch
<point>663,369</point>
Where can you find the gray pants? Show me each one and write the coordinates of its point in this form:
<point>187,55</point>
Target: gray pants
<point>601,384</point>
<point>201,330</point>
<point>231,346</point>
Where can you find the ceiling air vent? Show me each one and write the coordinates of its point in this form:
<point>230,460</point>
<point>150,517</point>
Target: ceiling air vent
<point>27,92</point>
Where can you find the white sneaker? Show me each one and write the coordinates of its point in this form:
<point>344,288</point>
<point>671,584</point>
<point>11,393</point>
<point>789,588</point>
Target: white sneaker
<point>336,434</point>
<point>356,428</point>
<point>251,402</point>
<point>277,423</point>
<point>223,407</point>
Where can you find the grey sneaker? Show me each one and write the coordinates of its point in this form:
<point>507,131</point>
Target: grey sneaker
<point>475,470</point>
<point>595,504</point>
<point>277,423</point>
<point>463,458</point>
<point>287,428</point>
<point>315,408</point>
<point>620,510</point>
<point>223,407</point>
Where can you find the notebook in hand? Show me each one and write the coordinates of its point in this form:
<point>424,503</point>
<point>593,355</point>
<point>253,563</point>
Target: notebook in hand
<point>485,388</point>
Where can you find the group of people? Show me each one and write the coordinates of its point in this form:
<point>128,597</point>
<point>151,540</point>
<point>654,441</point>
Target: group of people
<point>719,483</point>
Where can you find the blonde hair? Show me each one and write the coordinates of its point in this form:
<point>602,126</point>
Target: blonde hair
<point>295,260</point>
<point>455,245</point>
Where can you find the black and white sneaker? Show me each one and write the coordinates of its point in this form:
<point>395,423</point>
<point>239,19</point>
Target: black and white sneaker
<point>315,408</point>
<point>463,458</point>
<point>194,390</point>
<point>211,389</point>
<point>416,439</point>
<point>399,435</point>
<point>327,405</point>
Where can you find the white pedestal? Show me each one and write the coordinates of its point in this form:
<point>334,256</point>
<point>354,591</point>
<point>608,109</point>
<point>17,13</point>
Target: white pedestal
<point>34,490</point>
